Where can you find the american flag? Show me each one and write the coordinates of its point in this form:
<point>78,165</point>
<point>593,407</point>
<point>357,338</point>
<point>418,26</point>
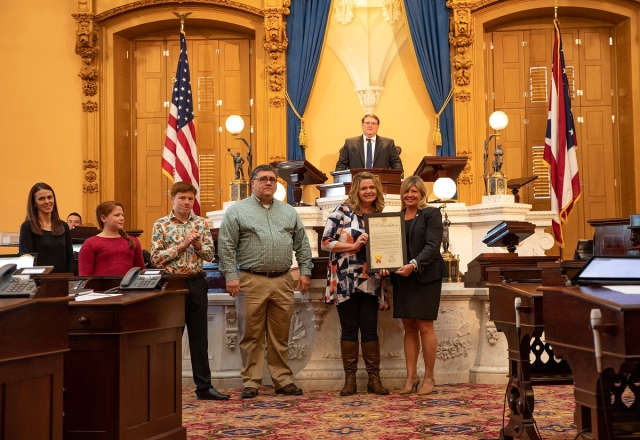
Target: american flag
<point>180,155</point>
<point>560,143</point>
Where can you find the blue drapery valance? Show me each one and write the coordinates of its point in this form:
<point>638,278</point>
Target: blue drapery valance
<point>429,28</point>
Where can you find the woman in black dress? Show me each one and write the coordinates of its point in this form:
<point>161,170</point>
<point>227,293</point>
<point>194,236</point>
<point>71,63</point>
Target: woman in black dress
<point>417,285</point>
<point>43,232</point>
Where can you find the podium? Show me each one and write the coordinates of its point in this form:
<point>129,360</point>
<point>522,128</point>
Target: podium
<point>298,173</point>
<point>431,168</point>
<point>391,181</point>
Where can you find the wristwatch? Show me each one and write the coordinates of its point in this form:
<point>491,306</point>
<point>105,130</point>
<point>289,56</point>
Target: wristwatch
<point>414,263</point>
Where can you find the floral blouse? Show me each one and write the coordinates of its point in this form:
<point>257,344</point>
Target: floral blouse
<point>347,271</point>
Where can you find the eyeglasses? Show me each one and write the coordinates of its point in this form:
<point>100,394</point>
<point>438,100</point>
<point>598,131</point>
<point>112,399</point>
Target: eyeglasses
<point>266,179</point>
<point>370,123</point>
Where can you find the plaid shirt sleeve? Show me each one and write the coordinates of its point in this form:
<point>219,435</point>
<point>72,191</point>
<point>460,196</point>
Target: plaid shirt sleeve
<point>302,247</point>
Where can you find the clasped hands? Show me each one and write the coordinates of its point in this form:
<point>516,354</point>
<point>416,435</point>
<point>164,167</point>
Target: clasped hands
<point>192,239</point>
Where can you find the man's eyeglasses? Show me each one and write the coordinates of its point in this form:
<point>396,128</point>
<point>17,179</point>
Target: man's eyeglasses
<point>266,179</point>
<point>370,123</point>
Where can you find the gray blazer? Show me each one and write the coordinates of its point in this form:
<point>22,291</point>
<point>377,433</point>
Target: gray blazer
<point>352,154</point>
<point>425,238</point>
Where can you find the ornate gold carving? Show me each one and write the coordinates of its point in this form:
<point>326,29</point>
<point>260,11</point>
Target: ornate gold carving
<point>90,106</point>
<point>391,11</point>
<point>276,80</point>
<point>87,46</point>
<point>465,177</point>
<point>90,188</point>
<point>275,43</point>
<point>277,159</point>
<point>146,3</point>
<point>90,176</point>
<point>89,164</point>
<point>344,11</point>
<point>89,75</point>
<point>461,37</point>
<point>463,96</point>
<point>276,101</point>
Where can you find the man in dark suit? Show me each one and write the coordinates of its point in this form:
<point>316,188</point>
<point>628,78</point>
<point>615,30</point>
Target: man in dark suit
<point>369,150</point>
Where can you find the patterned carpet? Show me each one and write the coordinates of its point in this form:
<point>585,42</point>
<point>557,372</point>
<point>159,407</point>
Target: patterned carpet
<point>452,412</point>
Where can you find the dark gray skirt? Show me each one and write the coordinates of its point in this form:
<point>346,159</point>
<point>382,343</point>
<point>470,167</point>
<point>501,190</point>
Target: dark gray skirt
<point>412,299</point>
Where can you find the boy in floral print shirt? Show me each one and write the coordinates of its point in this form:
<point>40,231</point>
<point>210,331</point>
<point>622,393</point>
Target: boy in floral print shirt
<point>180,243</point>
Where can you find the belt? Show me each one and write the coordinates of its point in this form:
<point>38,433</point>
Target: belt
<point>196,276</point>
<point>265,274</point>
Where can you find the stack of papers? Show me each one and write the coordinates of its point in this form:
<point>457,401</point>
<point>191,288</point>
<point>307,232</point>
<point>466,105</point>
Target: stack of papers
<point>88,296</point>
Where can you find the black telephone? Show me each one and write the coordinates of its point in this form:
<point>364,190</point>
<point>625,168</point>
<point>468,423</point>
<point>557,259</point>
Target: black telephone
<point>15,286</point>
<point>138,278</point>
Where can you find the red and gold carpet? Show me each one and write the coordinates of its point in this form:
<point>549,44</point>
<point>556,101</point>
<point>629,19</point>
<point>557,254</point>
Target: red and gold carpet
<point>451,412</point>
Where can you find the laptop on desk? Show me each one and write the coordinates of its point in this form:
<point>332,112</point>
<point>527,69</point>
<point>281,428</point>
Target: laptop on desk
<point>609,270</point>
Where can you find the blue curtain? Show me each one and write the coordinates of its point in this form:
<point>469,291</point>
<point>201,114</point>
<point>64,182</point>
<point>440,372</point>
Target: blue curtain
<point>306,27</point>
<point>429,28</point>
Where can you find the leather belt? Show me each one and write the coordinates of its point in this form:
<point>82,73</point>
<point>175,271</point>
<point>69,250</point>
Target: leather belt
<point>265,274</point>
<point>196,276</point>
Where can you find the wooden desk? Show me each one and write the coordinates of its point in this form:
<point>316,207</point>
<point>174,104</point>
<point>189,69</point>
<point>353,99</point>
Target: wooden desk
<point>505,285</point>
<point>567,327</point>
<point>33,340</point>
<point>123,373</point>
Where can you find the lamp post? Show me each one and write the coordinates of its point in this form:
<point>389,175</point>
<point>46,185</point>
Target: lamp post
<point>234,125</point>
<point>444,189</point>
<point>496,183</point>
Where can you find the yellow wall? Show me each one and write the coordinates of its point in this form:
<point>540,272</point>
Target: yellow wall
<point>334,113</point>
<point>40,109</point>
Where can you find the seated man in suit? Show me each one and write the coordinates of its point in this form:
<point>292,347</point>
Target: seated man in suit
<point>369,150</point>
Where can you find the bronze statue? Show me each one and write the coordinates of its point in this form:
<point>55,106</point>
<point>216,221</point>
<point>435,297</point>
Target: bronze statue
<point>237,164</point>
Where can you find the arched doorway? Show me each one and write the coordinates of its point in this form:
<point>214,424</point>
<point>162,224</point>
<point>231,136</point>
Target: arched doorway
<point>136,68</point>
<point>511,53</point>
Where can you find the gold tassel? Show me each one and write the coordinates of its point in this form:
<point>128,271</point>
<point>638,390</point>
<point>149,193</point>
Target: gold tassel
<point>437,135</point>
<point>302,137</point>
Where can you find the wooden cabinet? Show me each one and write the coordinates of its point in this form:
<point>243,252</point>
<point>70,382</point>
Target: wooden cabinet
<point>33,340</point>
<point>123,373</point>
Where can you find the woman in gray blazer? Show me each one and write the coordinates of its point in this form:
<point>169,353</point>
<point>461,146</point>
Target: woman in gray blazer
<point>417,285</point>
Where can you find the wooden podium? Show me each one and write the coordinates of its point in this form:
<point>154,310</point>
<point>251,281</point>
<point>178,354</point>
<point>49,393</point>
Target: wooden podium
<point>431,168</point>
<point>298,173</point>
<point>390,180</point>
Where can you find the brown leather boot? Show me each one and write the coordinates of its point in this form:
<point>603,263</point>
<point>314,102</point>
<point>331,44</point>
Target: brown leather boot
<point>371,355</point>
<point>349,351</point>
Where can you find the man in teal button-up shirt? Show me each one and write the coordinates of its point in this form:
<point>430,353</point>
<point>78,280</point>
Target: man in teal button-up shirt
<point>256,242</point>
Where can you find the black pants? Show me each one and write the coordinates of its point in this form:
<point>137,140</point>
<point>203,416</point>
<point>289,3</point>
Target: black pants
<point>195,317</point>
<point>359,313</point>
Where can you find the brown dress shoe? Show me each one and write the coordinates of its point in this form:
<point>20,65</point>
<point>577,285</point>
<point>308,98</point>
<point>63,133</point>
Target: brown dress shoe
<point>289,390</point>
<point>249,393</point>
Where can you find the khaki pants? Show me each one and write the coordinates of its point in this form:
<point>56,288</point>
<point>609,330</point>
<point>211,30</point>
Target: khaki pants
<point>265,305</point>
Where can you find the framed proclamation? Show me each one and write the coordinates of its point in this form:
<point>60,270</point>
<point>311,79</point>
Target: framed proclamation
<point>386,247</point>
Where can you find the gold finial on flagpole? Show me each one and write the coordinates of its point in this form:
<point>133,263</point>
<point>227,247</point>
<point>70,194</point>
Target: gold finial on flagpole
<point>182,17</point>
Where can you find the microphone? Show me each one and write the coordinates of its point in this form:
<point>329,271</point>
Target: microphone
<point>516,304</point>
<point>596,319</point>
